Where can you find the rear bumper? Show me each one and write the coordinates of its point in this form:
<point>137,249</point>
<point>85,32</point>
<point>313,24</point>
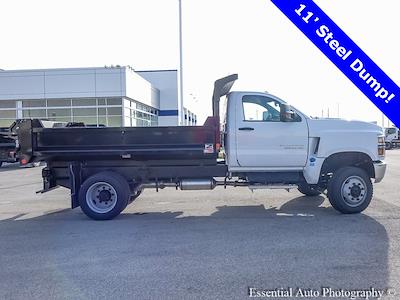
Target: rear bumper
<point>380,170</point>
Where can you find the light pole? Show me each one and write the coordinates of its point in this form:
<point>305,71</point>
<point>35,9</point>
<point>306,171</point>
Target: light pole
<point>180,102</point>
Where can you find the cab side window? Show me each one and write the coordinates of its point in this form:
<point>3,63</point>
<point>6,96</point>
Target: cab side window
<point>261,109</point>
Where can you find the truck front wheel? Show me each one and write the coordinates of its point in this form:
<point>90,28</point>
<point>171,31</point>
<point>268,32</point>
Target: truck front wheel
<point>350,190</point>
<point>104,196</point>
<point>307,190</point>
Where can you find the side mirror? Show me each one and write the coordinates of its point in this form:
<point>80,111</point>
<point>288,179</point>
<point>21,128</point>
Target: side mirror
<point>287,114</point>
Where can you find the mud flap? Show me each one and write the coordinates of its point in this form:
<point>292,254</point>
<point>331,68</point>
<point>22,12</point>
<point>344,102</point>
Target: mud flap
<point>75,176</point>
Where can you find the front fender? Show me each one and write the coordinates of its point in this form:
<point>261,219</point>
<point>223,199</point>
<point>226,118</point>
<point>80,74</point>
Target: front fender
<point>315,165</point>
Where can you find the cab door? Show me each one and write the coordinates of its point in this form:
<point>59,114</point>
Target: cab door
<point>263,140</point>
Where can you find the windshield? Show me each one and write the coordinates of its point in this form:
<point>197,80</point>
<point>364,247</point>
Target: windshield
<point>390,130</point>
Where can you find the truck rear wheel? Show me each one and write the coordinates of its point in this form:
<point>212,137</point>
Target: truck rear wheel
<point>350,190</point>
<point>388,145</point>
<point>104,196</point>
<point>307,190</point>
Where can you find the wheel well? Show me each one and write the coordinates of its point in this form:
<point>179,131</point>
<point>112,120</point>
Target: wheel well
<point>346,159</point>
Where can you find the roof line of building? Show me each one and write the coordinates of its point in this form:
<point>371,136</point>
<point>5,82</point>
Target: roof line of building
<point>60,69</point>
<point>88,68</point>
<point>148,71</point>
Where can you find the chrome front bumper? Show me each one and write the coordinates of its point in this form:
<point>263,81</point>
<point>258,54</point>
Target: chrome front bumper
<point>380,170</point>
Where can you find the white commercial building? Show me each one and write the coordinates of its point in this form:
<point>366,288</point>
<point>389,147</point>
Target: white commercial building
<point>110,96</point>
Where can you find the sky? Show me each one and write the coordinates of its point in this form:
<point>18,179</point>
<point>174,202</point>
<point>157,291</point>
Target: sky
<point>220,37</point>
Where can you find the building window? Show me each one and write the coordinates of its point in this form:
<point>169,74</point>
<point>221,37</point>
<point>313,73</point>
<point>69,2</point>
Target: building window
<point>114,101</point>
<point>101,121</point>
<point>84,102</point>
<point>116,111</point>
<point>57,103</point>
<point>61,112</point>
<point>34,103</point>
<point>6,122</point>
<point>7,114</point>
<point>141,115</point>
<point>7,104</point>
<point>102,111</point>
<point>34,113</point>
<point>84,112</point>
<point>114,121</point>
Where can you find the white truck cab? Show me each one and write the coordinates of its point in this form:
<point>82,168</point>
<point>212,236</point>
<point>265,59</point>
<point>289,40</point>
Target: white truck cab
<point>265,137</point>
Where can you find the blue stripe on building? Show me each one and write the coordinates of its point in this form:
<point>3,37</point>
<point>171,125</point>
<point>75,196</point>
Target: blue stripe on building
<point>168,113</point>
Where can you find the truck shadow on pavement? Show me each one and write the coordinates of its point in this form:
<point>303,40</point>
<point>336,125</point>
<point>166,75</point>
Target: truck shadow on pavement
<point>169,255</point>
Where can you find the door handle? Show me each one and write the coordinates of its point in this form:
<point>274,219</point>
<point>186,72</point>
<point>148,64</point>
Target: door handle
<point>246,128</point>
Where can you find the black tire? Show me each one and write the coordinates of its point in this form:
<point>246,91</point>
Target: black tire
<point>307,190</point>
<point>389,146</point>
<point>1,163</point>
<point>350,190</point>
<point>110,187</point>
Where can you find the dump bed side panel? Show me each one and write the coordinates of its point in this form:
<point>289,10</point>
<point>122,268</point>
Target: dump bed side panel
<point>137,143</point>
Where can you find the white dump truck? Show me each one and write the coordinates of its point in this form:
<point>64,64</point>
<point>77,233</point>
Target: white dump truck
<point>267,143</point>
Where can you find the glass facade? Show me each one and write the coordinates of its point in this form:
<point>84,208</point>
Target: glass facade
<point>8,112</point>
<point>190,118</point>
<point>110,112</point>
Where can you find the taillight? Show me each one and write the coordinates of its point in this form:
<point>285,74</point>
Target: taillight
<point>23,160</point>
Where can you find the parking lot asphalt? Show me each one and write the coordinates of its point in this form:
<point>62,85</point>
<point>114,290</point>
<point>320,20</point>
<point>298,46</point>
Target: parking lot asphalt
<point>194,245</point>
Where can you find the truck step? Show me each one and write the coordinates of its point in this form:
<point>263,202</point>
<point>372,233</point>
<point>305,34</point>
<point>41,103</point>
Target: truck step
<point>273,186</point>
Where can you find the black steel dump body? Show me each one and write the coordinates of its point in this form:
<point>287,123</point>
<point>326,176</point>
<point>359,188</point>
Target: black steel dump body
<point>140,154</point>
<point>38,143</point>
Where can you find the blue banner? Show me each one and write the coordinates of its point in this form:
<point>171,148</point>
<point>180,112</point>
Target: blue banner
<point>345,54</point>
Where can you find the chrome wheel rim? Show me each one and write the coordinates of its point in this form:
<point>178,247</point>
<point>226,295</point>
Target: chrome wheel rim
<point>101,197</point>
<point>354,191</point>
